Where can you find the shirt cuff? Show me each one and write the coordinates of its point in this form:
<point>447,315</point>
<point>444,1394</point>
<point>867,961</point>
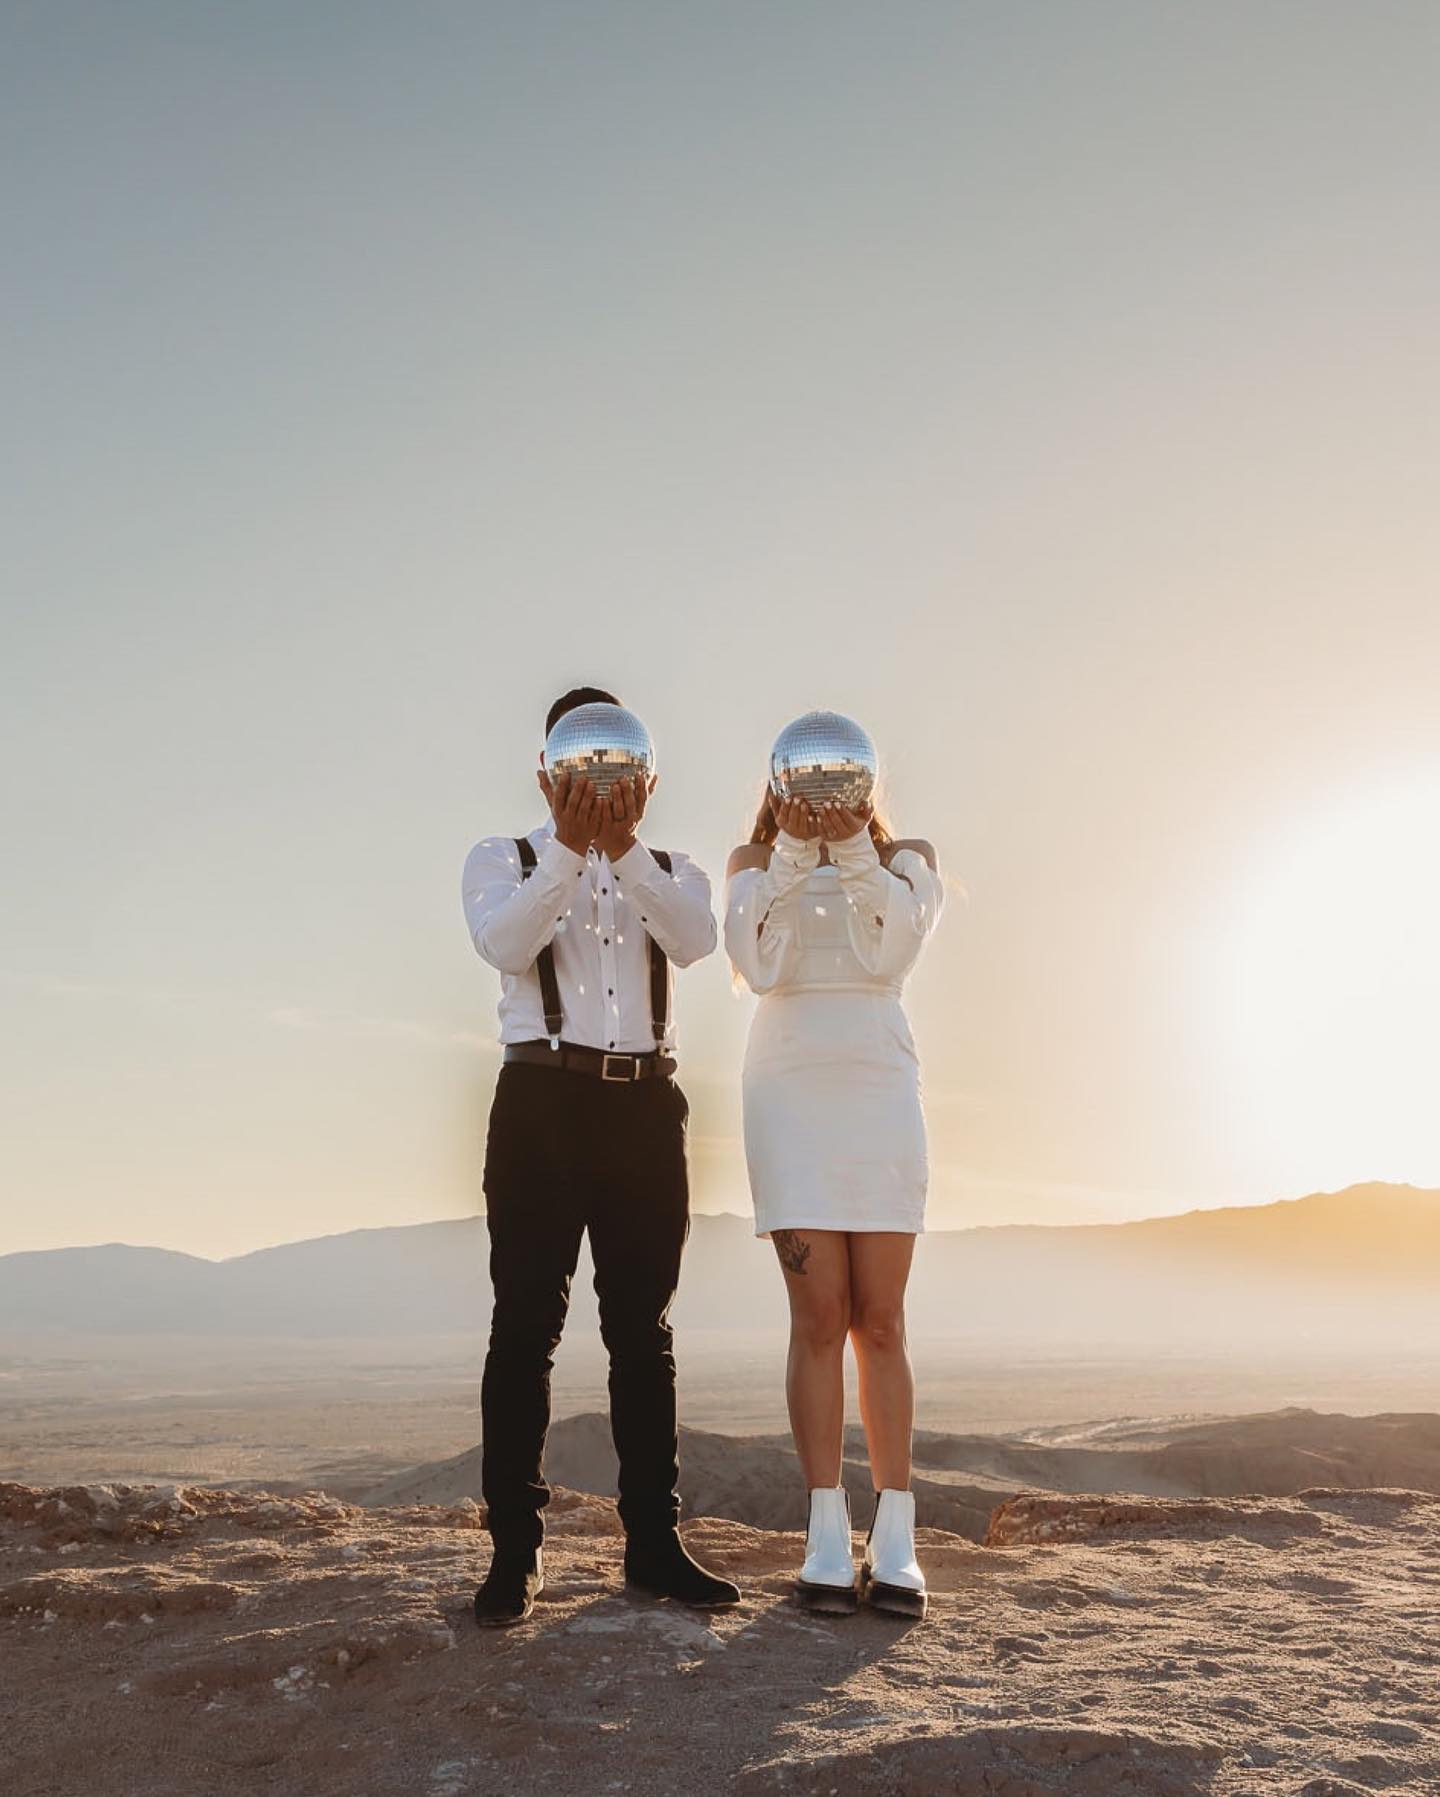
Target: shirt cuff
<point>797,851</point>
<point>639,866</point>
<point>857,854</point>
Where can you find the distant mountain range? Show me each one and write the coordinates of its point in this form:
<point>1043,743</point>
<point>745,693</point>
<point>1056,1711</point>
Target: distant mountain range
<point>1364,1261</point>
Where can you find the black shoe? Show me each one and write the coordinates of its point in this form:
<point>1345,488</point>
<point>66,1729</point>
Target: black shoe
<point>515,1579</point>
<point>658,1566</point>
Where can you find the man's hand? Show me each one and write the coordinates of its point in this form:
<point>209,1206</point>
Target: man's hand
<point>620,816</point>
<point>576,806</point>
<point>795,818</point>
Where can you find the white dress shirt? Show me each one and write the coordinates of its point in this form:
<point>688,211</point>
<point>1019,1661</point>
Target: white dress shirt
<point>599,919</point>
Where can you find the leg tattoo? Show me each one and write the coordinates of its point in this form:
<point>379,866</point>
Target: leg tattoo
<point>793,1250</point>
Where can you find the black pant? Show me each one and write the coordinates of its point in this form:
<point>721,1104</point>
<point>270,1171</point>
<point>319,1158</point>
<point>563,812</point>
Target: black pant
<point>569,1152</point>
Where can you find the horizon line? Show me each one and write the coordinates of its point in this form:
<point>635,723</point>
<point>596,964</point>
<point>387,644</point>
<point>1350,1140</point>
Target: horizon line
<point>1388,1185</point>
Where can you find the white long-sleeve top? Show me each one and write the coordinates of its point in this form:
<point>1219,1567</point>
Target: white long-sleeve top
<point>598,917</point>
<point>855,924</point>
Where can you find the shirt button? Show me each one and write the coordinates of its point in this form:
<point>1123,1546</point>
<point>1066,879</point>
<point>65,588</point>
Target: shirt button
<point>612,1044</point>
<point>610,993</point>
<point>607,942</point>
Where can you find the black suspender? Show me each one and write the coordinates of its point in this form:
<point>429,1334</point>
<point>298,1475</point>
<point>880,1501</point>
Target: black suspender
<point>659,971</point>
<point>550,984</point>
<point>545,960</point>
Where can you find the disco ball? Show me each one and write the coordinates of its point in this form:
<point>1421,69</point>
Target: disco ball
<point>606,743</point>
<point>824,756</point>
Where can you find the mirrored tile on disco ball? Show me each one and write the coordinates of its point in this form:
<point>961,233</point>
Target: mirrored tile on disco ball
<point>823,756</point>
<point>606,743</point>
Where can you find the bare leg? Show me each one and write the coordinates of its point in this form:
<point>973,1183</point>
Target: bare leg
<point>816,1265</point>
<point>879,1270</point>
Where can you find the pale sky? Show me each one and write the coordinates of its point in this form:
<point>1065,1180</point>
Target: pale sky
<point>1054,388</point>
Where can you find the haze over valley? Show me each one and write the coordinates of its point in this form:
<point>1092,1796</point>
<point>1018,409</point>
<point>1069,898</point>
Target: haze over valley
<point>351,1360</point>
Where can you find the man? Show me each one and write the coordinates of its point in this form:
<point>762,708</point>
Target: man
<point>587,1133</point>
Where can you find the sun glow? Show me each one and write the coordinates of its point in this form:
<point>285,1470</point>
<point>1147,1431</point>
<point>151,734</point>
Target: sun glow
<point>1336,962</point>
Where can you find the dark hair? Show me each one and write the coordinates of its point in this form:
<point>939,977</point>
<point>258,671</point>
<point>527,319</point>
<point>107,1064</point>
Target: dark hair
<point>578,695</point>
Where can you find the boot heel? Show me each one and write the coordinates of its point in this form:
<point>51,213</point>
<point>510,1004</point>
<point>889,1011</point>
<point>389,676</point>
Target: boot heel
<point>826,1600</point>
<point>896,1600</point>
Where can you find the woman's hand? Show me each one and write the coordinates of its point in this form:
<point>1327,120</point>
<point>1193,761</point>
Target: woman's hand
<point>795,818</point>
<point>839,823</point>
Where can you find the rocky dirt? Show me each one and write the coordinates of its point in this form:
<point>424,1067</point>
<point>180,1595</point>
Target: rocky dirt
<point>189,1642</point>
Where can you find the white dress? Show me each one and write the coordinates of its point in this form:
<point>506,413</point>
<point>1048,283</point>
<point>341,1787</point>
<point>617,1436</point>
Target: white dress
<point>834,1129</point>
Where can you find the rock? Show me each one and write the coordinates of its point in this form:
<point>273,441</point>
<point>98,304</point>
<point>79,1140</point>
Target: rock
<point>212,1640</point>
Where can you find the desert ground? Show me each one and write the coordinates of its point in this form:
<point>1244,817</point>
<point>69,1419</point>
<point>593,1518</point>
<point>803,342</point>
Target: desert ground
<point>245,1565</point>
<point>164,1642</point>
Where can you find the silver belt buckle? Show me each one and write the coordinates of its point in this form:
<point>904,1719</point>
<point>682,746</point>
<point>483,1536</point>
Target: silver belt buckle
<point>628,1061</point>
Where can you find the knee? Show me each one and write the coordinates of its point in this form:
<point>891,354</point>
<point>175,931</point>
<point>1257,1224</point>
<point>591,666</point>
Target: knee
<point>525,1332</point>
<point>822,1324</point>
<point>879,1331</point>
<point>632,1337</point>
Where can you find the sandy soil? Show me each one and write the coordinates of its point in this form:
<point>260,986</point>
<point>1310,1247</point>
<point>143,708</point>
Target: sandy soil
<point>167,1642</point>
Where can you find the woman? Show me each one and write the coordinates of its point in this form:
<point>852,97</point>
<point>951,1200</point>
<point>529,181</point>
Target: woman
<point>825,916</point>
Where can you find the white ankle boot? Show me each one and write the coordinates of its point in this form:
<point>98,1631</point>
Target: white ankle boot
<point>827,1579</point>
<point>890,1575</point>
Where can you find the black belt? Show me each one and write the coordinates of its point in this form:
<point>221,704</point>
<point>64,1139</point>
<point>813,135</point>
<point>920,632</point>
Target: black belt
<point>624,1068</point>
